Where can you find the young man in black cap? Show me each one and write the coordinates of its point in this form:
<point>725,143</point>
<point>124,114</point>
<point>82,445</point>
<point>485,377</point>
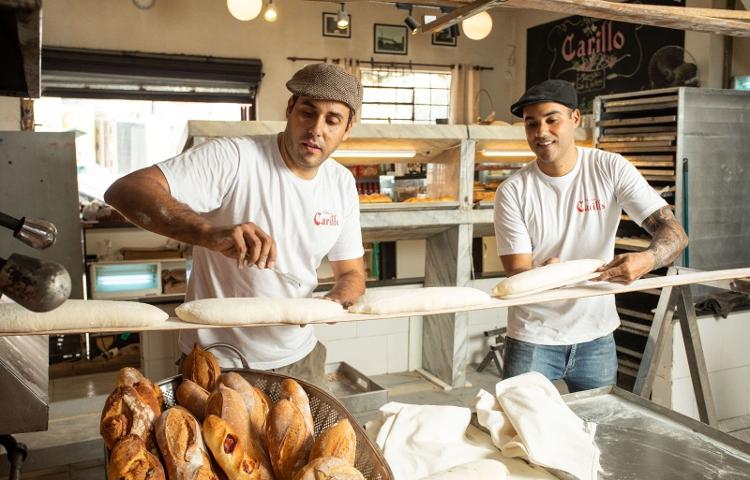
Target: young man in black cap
<point>263,201</point>
<point>563,206</point>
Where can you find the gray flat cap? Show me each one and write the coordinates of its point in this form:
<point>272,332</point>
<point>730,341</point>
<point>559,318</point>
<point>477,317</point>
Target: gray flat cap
<point>325,81</point>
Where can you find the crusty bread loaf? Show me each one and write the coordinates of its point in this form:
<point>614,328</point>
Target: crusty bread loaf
<point>329,468</point>
<point>228,405</point>
<point>131,460</point>
<point>202,368</point>
<point>193,397</point>
<point>181,444</point>
<point>289,439</point>
<point>293,391</point>
<point>134,378</point>
<point>228,451</point>
<point>124,413</point>
<point>257,402</point>
<point>337,441</point>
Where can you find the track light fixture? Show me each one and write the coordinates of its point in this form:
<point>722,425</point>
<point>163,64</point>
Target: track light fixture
<point>271,14</point>
<point>342,18</point>
<point>411,24</point>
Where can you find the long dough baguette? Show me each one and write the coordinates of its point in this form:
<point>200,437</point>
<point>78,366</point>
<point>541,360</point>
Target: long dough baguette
<point>338,441</point>
<point>547,277</point>
<point>289,439</point>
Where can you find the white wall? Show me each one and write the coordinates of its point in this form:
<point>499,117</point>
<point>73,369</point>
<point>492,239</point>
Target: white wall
<point>203,27</point>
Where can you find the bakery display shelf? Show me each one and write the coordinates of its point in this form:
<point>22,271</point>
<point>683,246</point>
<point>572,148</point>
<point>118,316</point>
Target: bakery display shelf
<point>645,101</point>
<point>407,206</point>
<point>646,120</point>
<point>593,289</point>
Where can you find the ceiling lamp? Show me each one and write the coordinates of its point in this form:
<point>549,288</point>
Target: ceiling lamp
<point>271,14</point>
<point>507,153</point>
<point>245,10</point>
<point>478,26</point>
<point>342,18</point>
<point>374,154</point>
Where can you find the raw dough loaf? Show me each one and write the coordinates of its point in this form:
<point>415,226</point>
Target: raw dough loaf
<point>403,300</point>
<point>486,469</point>
<point>81,315</point>
<point>258,310</point>
<point>547,277</point>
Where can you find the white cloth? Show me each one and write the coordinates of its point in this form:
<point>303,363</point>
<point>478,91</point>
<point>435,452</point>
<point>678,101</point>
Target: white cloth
<point>401,300</point>
<point>81,316</point>
<point>423,440</point>
<point>259,311</point>
<point>528,419</point>
<point>244,179</point>
<point>570,217</point>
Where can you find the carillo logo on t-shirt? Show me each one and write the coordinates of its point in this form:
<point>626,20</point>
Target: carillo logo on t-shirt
<point>589,205</point>
<point>325,219</point>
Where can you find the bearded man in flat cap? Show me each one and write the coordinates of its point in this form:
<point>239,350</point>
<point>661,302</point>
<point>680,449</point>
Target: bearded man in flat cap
<point>263,201</point>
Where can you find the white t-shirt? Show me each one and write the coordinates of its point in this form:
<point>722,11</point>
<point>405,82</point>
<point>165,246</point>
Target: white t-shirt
<point>571,217</point>
<point>245,179</point>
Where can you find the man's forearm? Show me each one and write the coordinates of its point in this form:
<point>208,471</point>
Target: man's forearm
<point>668,237</point>
<point>348,288</point>
<point>145,202</point>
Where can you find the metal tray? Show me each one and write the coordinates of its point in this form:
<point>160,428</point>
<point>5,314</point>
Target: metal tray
<point>402,206</point>
<point>353,389</point>
<point>639,439</point>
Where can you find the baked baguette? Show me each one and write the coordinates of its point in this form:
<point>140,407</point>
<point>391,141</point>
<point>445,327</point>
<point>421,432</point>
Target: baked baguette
<point>201,367</point>
<point>257,402</point>
<point>293,391</point>
<point>228,451</point>
<point>337,441</point>
<point>329,468</point>
<point>131,460</point>
<point>228,405</point>
<point>193,397</point>
<point>126,413</point>
<point>289,439</point>
<point>181,443</point>
<point>134,378</point>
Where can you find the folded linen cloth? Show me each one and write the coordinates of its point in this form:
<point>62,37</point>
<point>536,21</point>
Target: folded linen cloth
<point>528,419</point>
<point>422,440</point>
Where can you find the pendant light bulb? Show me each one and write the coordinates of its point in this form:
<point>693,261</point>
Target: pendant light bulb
<point>271,14</point>
<point>245,10</point>
<point>342,18</point>
<point>478,26</point>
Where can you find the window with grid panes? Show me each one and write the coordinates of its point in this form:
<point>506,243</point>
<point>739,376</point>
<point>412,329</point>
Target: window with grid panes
<point>405,96</point>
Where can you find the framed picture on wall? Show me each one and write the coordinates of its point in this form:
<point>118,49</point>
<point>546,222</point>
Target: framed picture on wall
<point>330,29</point>
<point>444,38</point>
<point>391,39</point>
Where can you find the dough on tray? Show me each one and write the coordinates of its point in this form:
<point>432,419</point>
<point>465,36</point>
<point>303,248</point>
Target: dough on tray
<point>403,300</point>
<point>258,310</point>
<point>547,277</point>
<point>81,315</point>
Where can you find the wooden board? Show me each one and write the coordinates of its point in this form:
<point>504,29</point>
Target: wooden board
<point>592,290</point>
<point>632,130</point>
<point>638,121</point>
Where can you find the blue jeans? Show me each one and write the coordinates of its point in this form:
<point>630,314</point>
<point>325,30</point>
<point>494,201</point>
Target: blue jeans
<point>583,365</point>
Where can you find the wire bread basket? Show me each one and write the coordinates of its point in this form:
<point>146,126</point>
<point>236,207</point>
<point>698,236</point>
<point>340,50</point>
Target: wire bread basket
<point>326,411</point>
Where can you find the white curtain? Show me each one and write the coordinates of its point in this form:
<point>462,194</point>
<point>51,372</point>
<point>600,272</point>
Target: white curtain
<point>464,104</point>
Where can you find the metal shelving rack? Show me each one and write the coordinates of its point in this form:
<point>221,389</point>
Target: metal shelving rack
<point>690,144</point>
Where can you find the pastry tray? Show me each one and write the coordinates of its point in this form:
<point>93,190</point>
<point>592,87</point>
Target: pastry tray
<point>353,389</point>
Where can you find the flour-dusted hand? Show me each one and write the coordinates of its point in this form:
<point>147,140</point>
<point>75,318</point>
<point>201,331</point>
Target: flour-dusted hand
<point>627,268</point>
<point>247,243</point>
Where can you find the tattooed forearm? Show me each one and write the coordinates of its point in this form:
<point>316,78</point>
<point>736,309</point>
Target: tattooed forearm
<point>668,237</point>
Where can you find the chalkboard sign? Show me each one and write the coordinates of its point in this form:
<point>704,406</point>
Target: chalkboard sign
<point>601,56</point>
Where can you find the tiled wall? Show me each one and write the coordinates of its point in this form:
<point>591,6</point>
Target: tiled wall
<point>725,345</point>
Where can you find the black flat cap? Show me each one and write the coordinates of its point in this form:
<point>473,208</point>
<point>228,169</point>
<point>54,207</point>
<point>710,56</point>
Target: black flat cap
<point>558,91</point>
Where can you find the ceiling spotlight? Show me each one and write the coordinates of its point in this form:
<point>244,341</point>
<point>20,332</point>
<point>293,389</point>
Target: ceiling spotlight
<point>271,14</point>
<point>342,18</point>
<point>478,26</point>
<point>411,24</point>
<point>245,10</point>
